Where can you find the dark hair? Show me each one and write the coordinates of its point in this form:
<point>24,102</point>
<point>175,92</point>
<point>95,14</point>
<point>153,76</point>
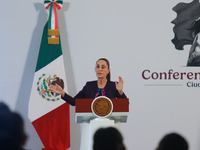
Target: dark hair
<point>12,136</point>
<point>107,62</point>
<point>4,108</point>
<point>173,141</point>
<point>108,139</point>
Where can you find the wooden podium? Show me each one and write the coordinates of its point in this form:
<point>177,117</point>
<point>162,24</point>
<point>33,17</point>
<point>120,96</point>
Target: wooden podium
<point>98,113</point>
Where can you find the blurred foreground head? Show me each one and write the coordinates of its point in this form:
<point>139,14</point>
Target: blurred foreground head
<point>173,141</point>
<point>12,136</point>
<point>108,139</point>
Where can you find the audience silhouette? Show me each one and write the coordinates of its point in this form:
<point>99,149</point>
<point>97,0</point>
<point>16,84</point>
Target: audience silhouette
<point>173,141</point>
<point>108,139</point>
<point>12,135</point>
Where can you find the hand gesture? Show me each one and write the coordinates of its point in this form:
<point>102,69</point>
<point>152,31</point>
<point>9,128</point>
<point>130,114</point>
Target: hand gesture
<point>119,85</point>
<point>56,89</point>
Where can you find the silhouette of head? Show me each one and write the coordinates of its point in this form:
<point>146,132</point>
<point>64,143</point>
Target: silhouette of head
<point>12,136</point>
<point>173,141</point>
<point>108,139</point>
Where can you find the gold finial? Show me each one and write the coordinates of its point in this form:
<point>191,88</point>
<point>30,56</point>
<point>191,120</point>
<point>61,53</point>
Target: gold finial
<point>53,0</point>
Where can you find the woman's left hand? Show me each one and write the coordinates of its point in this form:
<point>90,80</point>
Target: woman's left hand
<point>119,85</point>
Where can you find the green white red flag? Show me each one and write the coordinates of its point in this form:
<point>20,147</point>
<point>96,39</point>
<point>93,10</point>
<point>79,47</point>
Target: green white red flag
<point>48,113</point>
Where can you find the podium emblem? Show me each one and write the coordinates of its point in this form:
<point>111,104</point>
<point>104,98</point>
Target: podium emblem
<point>102,106</point>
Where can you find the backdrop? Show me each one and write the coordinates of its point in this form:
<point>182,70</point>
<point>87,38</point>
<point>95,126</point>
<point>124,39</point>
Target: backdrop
<point>135,36</point>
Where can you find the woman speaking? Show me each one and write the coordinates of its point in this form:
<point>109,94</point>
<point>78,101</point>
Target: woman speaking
<point>100,87</point>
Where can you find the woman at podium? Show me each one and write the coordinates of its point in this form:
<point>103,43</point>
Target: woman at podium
<point>100,87</point>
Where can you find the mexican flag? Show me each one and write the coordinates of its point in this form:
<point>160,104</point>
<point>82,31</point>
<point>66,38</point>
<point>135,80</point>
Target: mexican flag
<point>48,113</point>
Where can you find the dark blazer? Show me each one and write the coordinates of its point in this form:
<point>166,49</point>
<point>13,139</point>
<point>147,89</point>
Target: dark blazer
<point>90,90</point>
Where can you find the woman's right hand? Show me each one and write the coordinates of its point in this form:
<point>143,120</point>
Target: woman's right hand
<point>56,89</point>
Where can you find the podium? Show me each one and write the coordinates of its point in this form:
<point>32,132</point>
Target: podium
<point>98,113</point>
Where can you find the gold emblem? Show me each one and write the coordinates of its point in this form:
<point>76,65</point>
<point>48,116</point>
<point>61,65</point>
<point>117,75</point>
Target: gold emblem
<point>102,106</point>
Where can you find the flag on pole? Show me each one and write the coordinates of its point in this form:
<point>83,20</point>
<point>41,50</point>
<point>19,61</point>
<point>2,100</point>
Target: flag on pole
<point>48,113</point>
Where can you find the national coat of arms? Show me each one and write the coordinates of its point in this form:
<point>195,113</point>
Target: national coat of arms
<point>102,106</point>
<point>43,87</point>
